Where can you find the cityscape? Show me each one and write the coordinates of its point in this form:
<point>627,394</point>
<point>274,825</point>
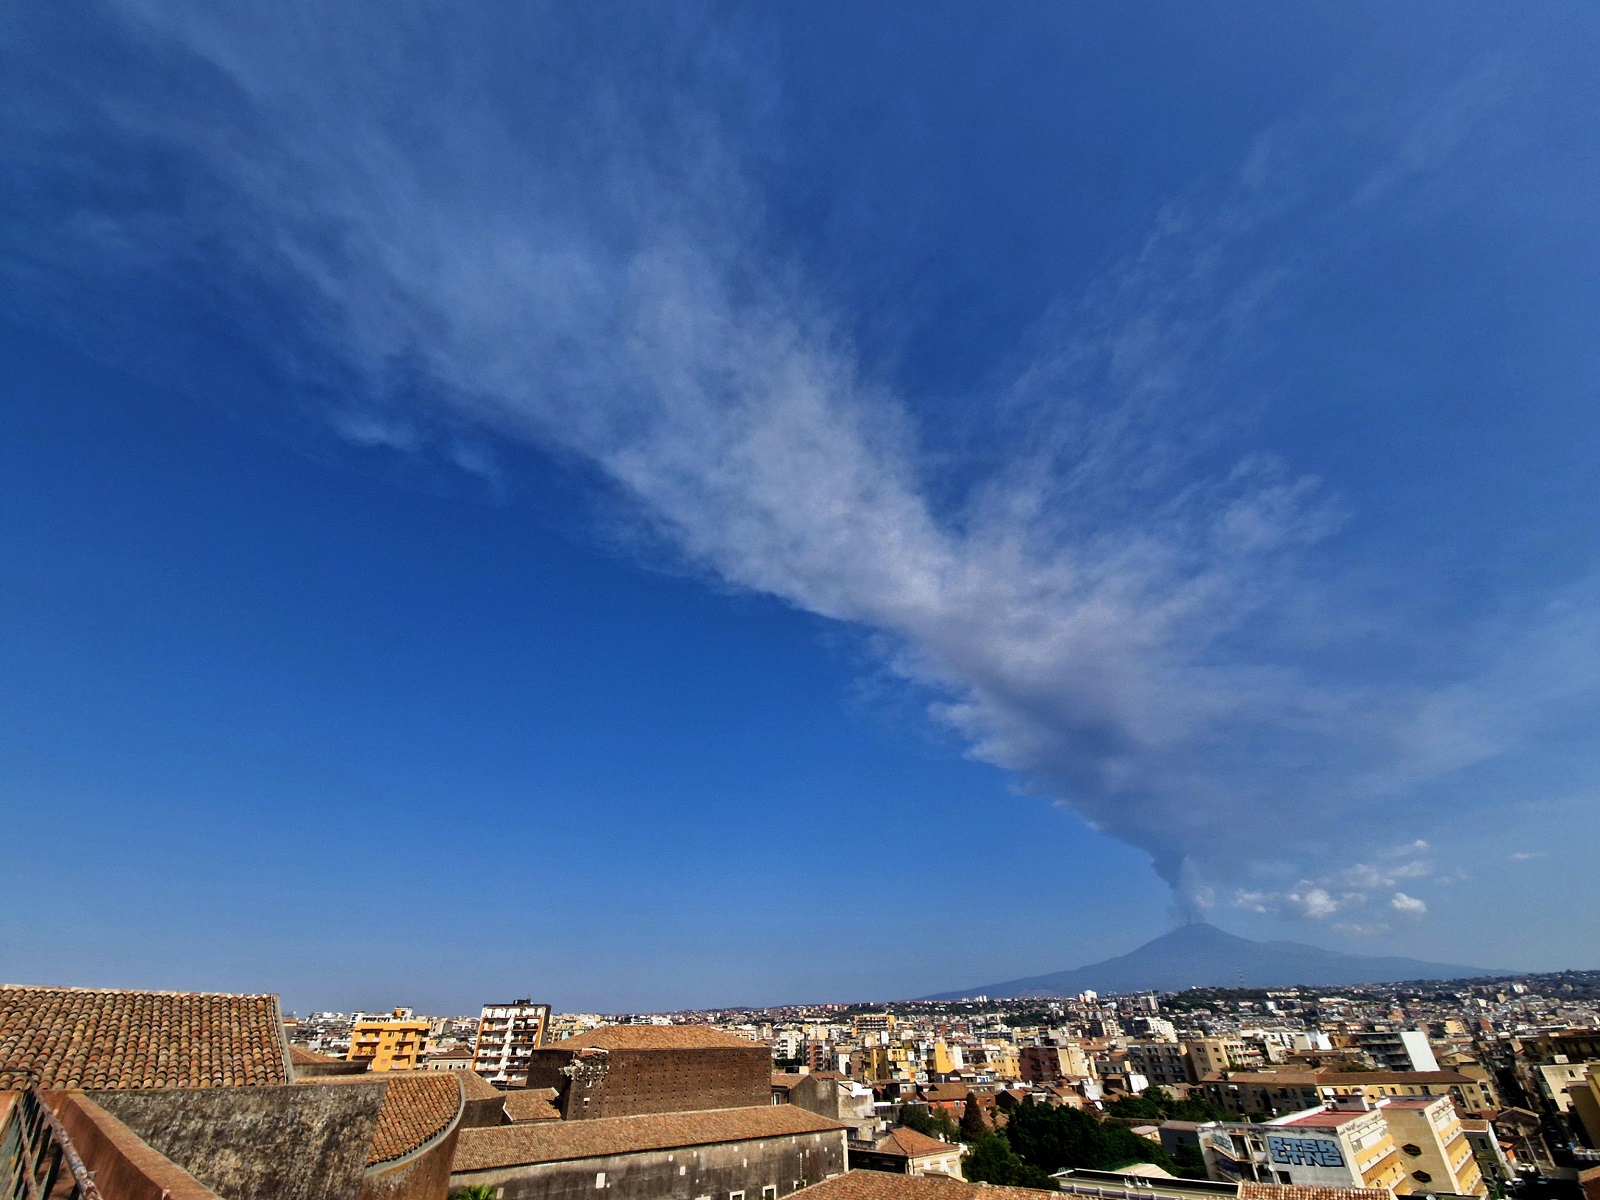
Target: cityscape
<point>1443,1088</point>
<point>719,600</point>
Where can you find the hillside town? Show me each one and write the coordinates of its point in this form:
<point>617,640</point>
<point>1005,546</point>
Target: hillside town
<point>1478,1088</point>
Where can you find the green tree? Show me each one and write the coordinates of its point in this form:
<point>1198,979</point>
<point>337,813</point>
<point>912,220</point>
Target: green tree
<point>1191,1163</point>
<point>973,1126</point>
<point>1158,1104</point>
<point>1053,1138</point>
<point>934,1122</point>
<point>478,1191</point>
<point>992,1160</point>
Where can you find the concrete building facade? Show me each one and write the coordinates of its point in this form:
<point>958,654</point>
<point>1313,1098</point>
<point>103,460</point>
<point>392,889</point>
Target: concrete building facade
<point>393,1043</point>
<point>507,1036</point>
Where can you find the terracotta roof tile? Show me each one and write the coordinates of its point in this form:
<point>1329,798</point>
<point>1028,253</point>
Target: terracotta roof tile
<point>656,1037</point>
<point>1286,1191</point>
<point>560,1141</point>
<point>299,1056</point>
<point>884,1185</point>
<point>476,1086</point>
<point>911,1144</point>
<point>111,1040</point>
<point>531,1105</point>
<point>417,1106</point>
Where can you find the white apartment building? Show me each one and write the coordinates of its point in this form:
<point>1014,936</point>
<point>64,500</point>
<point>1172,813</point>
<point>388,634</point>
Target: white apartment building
<point>506,1035</point>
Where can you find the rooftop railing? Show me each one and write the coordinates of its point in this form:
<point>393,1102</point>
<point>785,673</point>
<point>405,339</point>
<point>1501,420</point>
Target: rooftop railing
<point>35,1150</point>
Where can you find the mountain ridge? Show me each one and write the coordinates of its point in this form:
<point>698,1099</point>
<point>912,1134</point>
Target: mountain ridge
<point>1201,955</point>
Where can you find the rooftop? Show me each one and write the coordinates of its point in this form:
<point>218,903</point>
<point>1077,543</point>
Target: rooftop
<point>656,1037</point>
<point>883,1185</point>
<point>111,1039</point>
<point>560,1141</point>
<point>531,1104</point>
<point>417,1106</point>
<point>908,1143</point>
<point>1280,1191</point>
<point>1323,1118</point>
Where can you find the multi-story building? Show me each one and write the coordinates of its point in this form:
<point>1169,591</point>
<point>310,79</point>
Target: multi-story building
<point>1585,1103</point>
<point>1213,1055</point>
<point>392,1043</point>
<point>1400,1050</point>
<point>1291,1091</point>
<point>1434,1148</point>
<point>1348,1147</point>
<point>1164,1064</point>
<point>507,1035</point>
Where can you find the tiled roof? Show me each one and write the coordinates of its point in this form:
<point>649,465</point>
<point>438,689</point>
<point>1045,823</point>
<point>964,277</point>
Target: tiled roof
<point>560,1141</point>
<point>885,1185</point>
<point>785,1079</point>
<point>1287,1191</point>
<point>656,1037</point>
<point>299,1056</point>
<point>911,1144</point>
<point>476,1086</point>
<point>531,1105</point>
<point>417,1106</point>
<point>1366,1077</point>
<point>109,1039</point>
<point>1333,1078</point>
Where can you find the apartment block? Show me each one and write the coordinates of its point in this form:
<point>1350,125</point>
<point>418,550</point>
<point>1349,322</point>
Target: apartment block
<point>393,1043</point>
<point>1321,1147</point>
<point>507,1036</point>
<point>1434,1148</point>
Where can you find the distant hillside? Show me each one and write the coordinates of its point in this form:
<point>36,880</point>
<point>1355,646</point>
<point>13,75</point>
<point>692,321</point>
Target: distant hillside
<point>1202,955</point>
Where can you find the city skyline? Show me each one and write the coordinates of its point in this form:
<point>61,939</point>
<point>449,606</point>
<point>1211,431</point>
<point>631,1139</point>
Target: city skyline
<point>704,507</point>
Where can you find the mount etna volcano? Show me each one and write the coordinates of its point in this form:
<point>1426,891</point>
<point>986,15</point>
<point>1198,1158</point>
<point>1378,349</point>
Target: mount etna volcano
<point>1202,955</point>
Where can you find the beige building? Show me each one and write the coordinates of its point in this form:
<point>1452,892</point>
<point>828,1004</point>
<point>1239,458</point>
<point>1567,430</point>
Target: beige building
<point>1214,1055</point>
<point>1585,1103</point>
<point>1321,1147</point>
<point>1291,1091</point>
<point>1433,1145</point>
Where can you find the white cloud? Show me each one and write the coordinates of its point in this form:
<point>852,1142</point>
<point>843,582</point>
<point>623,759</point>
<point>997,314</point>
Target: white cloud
<point>1098,614</point>
<point>1409,905</point>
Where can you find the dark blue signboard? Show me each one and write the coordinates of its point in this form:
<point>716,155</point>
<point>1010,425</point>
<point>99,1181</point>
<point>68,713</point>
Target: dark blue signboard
<point>1305,1152</point>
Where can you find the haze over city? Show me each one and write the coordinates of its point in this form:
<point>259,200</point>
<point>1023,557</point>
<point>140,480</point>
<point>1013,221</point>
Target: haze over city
<point>707,506</point>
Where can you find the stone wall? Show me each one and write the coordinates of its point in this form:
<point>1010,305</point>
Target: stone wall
<point>627,1083</point>
<point>758,1168</point>
<point>295,1142</point>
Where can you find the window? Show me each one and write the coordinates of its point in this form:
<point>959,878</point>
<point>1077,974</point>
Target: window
<point>1422,1177</point>
<point>599,1179</point>
<point>739,1195</point>
<point>770,1192</point>
<point>1412,1150</point>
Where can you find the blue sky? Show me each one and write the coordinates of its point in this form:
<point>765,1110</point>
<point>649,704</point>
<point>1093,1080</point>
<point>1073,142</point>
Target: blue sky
<point>652,507</point>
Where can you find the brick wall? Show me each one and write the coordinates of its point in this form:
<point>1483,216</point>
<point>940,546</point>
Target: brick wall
<point>626,1083</point>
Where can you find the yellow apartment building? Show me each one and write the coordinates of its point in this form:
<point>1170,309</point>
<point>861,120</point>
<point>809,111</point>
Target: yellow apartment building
<point>394,1043</point>
<point>1434,1148</point>
<point>1584,1098</point>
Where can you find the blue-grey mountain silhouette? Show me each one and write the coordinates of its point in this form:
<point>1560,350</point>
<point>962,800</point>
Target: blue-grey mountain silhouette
<point>1201,955</point>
